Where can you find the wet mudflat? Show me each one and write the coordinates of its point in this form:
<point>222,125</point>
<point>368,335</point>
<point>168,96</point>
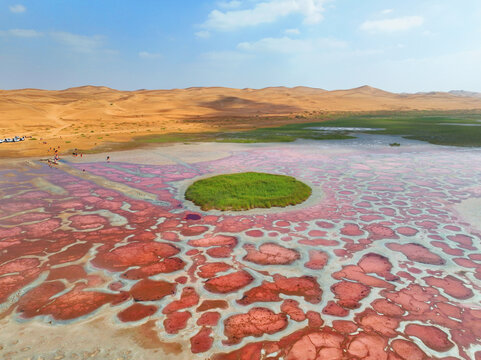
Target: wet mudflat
<point>384,262</point>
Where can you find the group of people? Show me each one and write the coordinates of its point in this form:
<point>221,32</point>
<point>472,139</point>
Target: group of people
<point>75,153</point>
<point>56,158</point>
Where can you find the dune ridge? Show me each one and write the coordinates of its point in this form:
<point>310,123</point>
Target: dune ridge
<point>92,115</point>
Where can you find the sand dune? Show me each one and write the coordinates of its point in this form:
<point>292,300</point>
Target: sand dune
<point>87,116</point>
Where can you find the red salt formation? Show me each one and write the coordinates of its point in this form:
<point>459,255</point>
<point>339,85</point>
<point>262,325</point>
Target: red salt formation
<point>317,345</point>
<point>451,286</point>
<point>314,319</point>
<point>219,252</point>
<point>209,318</point>
<point>229,283</point>
<point>305,286</point>
<point>32,302</point>
<point>188,298</point>
<point>351,230</point>
<point>150,290</point>
<point>317,260</point>
<point>168,265</point>
<point>322,242</point>
<point>413,299</point>
<point>223,245</point>
<point>41,229</point>
<point>427,224</point>
<point>408,350</point>
<point>136,312</point>
<point>83,222</point>
<point>134,254</point>
<point>372,322</point>
<point>181,280</point>
<point>431,336</point>
<point>324,224</point>
<point>254,233</point>
<point>464,241</point>
<point>11,283</point>
<point>202,341</point>
<point>256,322</point>
<point>387,308</point>
<point>77,303</point>
<point>446,248</point>
<point>369,218</point>
<point>19,265</point>
<point>378,264</point>
<point>270,254</point>
<point>72,253</point>
<point>378,231</point>
<point>344,327</point>
<point>368,347</point>
<point>291,308</point>
<point>355,273</point>
<point>193,230</point>
<point>70,273</point>
<point>334,309</point>
<point>406,231</point>
<point>116,285</point>
<point>418,253</point>
<point>212,304</point>
<point>350,293</point>
<point>466,263</point>
<point>210,270</point>
<point>176,321</point>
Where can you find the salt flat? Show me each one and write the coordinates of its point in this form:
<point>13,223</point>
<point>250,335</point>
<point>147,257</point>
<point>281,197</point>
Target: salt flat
<point>108,257</point>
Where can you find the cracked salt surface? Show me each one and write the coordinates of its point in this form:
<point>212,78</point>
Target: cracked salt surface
<point>74,251</point>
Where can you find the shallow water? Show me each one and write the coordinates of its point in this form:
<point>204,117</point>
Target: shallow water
<point>459,124</point>
<point>342,128</point>
<point>386,261</point>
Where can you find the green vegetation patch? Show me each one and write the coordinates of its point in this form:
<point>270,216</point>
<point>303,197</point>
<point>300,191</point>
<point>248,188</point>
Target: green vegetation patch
<point>455,129</point>
<point>244,191</point>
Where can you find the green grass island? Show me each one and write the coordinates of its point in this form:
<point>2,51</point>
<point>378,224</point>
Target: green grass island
<point>248,190</point>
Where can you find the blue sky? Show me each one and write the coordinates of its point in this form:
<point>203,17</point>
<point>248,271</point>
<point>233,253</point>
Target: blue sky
<point>401,46</point>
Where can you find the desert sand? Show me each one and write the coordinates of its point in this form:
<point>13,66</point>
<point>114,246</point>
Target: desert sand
<point>88,117</point>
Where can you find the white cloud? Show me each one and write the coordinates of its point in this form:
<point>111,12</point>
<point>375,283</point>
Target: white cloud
<point>78,43</point>
<point>234,4</point>
<point>25,33</point>
<point>148,55</point>
<point>387,11</point>
<point>392,25</point>
<point>287,45</point>
<point>17,9</point>
<point>292,32</point>
<point>203,34</point>
<point>265,12</point>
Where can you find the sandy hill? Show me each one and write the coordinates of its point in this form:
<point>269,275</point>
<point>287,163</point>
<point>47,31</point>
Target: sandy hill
<point>89,115</point>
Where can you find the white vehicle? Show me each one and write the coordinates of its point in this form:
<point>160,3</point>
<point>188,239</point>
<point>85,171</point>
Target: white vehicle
<point>14,139</point>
